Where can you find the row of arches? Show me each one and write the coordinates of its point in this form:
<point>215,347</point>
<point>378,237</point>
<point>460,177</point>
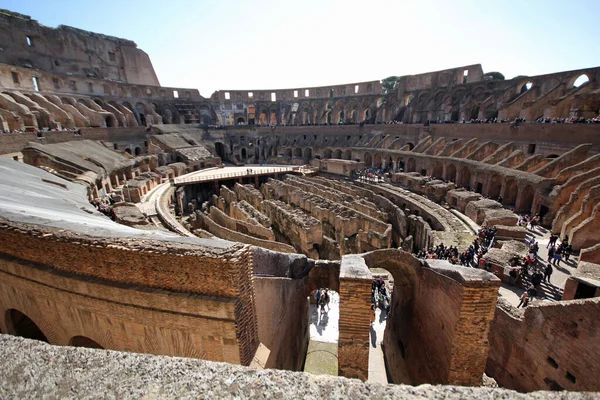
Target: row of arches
<point>19,324</point>
<point>520,195</point>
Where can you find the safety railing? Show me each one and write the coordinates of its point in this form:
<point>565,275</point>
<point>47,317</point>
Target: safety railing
<point>240,174</point>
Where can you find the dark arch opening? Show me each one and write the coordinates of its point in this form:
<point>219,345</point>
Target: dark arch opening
<point>241,121</point>
<point>128,150</point>
<point>138,151</point>
<point>307,154</point>
<point>526,87</point>
<point>410,146</point>
<point>109,123</point>
<point>244,154</point>
<point>82,341</point>
<point>220,150</point>
<point>20,324</point>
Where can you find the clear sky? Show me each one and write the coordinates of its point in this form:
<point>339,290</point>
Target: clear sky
<point>244,44</point>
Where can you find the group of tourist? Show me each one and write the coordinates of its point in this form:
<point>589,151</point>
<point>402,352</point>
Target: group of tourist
<point>572,120</point>
<point>322,298</point>
<point>379,297</point>
<point>371,174</point>
<point>470,257</point>
<point>42,131</point>
<point>557,252</point>
<point>526,221</point>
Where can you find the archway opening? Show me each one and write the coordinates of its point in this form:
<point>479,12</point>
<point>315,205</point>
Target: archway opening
<point>526,87</point>
<point>337,154</point>
<point>138,151</point>
<point>494,187</point>
<point>128,150</point>
<point>348,155</point>
<point>526,202</point>
<point>411,165</point>
<point>510,192</point>
<point>377,162</point>
<point>451,173</point>
<point>298,152</point>
<point>109,122</point>
<point>465,177</point>
<point>341,119</point>
<point>307,154</point>
<point>438,170</point>
<point>410,146</point>
<point>82,341</point>
<point>368,160</point>
<point>244,154</point>
<point>220,150</point>
<point>20,324</point>
<point>288,153</point>
<point>328,153</point>
<point>241,121</point>
<point>581,79</point>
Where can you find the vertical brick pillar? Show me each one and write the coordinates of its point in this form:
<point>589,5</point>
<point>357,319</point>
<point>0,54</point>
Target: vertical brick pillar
<point>355,315</point>
<point>471,345</point>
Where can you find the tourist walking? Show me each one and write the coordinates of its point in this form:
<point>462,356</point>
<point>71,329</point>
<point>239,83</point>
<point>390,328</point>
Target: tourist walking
<point>524,300</point>
<point>548,273</point>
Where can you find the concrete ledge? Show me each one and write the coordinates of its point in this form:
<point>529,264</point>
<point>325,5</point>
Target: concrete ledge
<point>30,370</point>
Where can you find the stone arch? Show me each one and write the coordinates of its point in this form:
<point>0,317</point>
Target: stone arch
<point>411,165</point>
<point>410,145</point>
<point>220,150</point>
<point>328,153</point>
<point>494,186</point>
<point>577,81</point>
<point>138,151</point>
<point>141,110</point>
<point>510,192</point>
<point>465,177</point>
<point>243,153</point>
<point>298,152</point>
<point>19,324</point>
<point>348,155</point>
<point>377,160</point>
<point>288,153</point>
<point>451,173</point>
<point>241,121</point>
<point>128,150</point>
<point>525,199</point>
<point>83,341</point>
<point>307,154</point>
<point>400,163</point>
<point>337,154</point>
<point>525,86</point>
<point>438,170</point>
<point>368,159</point>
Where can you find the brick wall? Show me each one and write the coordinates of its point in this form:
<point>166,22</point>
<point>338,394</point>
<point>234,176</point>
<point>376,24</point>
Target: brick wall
<point>546,347</point>
<point>186,269</point>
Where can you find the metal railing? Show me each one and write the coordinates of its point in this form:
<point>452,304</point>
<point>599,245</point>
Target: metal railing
<point>241,174</point>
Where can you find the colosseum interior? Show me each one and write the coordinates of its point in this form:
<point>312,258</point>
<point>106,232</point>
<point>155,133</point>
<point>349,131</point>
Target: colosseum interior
<point>149,219</point>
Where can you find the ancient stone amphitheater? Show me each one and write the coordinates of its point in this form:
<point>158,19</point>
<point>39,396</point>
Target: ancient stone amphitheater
<point>147,219</point>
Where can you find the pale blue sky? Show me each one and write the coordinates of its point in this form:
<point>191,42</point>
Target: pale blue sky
<point>242,44</point>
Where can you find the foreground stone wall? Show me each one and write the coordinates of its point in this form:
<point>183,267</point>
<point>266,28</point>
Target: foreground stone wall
<point>546,347</point>
<point>31,369</point>
<point>283,319</point>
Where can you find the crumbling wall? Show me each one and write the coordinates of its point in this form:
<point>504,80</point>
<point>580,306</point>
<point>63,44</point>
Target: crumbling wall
<point>549,346</point>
